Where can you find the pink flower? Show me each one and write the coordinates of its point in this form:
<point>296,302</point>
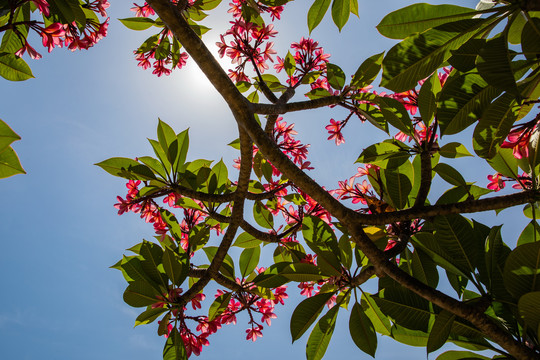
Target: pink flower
<point>334,129</point>
<point>496,182</point>
<point>43,7</point>
<point>31,51</point>
<point>254,333</point>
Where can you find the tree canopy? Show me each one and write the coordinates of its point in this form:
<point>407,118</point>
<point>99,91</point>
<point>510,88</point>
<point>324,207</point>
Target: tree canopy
<point>440,276</point>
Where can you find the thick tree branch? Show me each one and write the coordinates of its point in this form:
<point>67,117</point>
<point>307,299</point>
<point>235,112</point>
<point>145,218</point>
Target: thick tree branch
<point>470,206</point>
<point>220,279</point>
<point>278,109</point>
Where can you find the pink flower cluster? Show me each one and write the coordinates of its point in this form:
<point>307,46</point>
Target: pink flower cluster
<point>167,58</point>
<point>308,56</point>
<point>69,35</point>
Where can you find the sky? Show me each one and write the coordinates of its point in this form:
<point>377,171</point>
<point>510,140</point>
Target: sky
<point>59,229</point>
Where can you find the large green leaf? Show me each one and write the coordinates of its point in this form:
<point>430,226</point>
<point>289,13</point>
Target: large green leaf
<point>381,154</point>
<point>9,163</point>
<point>496,253</point>
<point>505,163</point>
<point>362,330</point>
<point>530,234</point>
<point>14,68</point>
<point>398,183</point>
<point>379,320</point>
<point>416,57</point>
<point>494,65</point>
<point>306,313</point>
<point>7,136</point>
<point>528,309</point>
<point>341,10</point>
<point>457,238</point>
<point>419,17</point>
<point>462,101</point>
<point>321,334</point>
<point>522,270</point>
<point>440,331</point>
<point>404,307</point>
<point>494,126</point>
<point>149,315</point>
<point>140,293</point>
<point>367,71</point>
<point>316,13</point>
<point>176,266</point>
<point>460,355</point>
<point>319,236</point>
<point>127,169</point>
<point>249,259</point>
<point>174,347</point>
<point>433,248</point>
<point>424,268</point>
<point>530,38</point>
<point>449,174</point>
<point>137,23</point>
<point>219,305</point>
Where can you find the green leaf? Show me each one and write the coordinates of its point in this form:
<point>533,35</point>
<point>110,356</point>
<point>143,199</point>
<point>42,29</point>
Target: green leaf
<point>530,38</point>
<point>137,23</point>
<point>362,330</point>
<point>227,267</point>
<point>427,98</point>
<point>460,355</point>
<point>398,183</point>
<point>404,308</point>
<point>302,272</point>
<point>321,334</point>
<point>464,58</point>
<point>249,259</point>
<point>379,320</point>
<point>440,331</point>
<point>396,114</point>
<point>271,277</point>
<point>416,57</point>
<point>494,65</point>
<point>222,175</point>
<point>149,315</point>
<point>219,305</point>
<point>419,17</point>
<point>127,168</point>
<point>176,266</point>
<point>454,150</point>
<point>530,234</point>
<point>319,236</point>
<point>462,101</point>
<point>368,71</point>
<point>9,163</point>
<point>246,241</point>
<point>505,163</point>
<point>340,12</point>
<point>496,253</point>
<point>263,216</point>
<point>316,13</point>
<point>7,136</point>
<point>522,270</point>
<point>336,77</point>
<point>494,126</point>
<point>306,313</point>
<point>528,309</point>
<point>139,294</point>
<point>449,174</point>
<point>174,347</point>
<point>14,68</point>
<point>152,255</point>
<point>431,246</point>
<point>424,269</point>
<point>381,154</point>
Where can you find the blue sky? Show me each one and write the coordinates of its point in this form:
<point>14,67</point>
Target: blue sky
<point>59,230</point>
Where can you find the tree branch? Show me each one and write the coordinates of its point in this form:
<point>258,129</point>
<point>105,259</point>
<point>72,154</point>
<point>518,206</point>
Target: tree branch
<point>278,109</point>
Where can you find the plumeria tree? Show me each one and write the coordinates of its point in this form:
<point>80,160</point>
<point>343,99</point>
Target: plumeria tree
<point>441,277</point>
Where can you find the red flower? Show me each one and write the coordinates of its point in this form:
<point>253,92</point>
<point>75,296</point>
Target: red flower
<point>334,129</point>
<point>496,182</point>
